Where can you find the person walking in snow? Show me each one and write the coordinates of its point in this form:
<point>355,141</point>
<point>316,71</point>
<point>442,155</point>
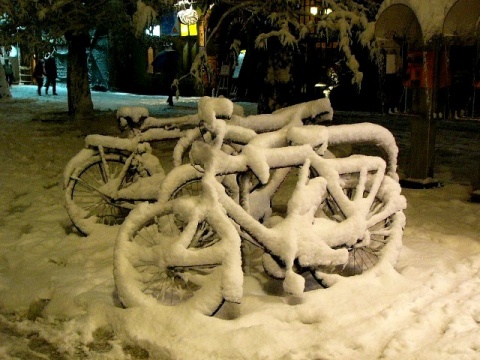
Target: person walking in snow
<point>51,73</point>
<point>166,62</point>
<point>39,74</point>
<point>8,72</point>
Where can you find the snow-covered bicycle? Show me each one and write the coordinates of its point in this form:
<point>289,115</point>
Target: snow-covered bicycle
<point>104,180</point>
<point>307,113</point>
<point>107,178</point>
<point>344,216</point>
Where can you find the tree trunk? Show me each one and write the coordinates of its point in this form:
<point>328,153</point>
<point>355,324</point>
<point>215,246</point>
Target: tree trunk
<point>79,96</point>
<point>4,88</point>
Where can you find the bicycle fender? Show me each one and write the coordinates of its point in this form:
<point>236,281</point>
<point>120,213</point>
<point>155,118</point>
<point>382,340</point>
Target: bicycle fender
<point>81,157</point>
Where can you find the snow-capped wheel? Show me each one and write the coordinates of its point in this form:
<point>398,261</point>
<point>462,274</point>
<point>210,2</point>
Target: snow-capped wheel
<point>168,254</point>
<point>385,224</point>
<point>87,198</point>
<point>186,180</point>
<point>192,187</point>
<point>183,180</point>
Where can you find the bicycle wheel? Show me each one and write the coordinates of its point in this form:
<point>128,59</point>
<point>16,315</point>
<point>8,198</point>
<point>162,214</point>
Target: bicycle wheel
<point>87,198</point>
<point>169,254</point>
<point>185,180</point>
<point>385,224</point>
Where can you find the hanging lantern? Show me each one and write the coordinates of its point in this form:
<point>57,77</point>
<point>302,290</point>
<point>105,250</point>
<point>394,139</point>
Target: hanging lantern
<point>186,14</point>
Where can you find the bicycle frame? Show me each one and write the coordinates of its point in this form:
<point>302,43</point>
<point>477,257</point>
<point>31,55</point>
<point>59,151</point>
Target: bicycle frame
<point>315,137</point>
<point>314,111</point>
<point>134,150</point>
<point>186,250</point>
<point>299,236</point>
<point>141,130</point>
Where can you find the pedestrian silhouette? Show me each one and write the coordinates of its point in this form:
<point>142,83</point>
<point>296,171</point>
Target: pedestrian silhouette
<point>166,62</point>
<point>8,72</point>
<point>39,74</point>
<point>51,73</point>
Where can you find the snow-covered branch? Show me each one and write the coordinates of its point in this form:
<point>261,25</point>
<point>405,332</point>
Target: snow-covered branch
<point>143,17</point>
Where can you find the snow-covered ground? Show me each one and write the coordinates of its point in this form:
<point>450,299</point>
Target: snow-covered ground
<point>57,294</point>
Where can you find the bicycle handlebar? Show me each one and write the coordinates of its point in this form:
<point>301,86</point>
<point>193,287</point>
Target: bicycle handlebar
<point>367,133</point>
<point>261,159</point>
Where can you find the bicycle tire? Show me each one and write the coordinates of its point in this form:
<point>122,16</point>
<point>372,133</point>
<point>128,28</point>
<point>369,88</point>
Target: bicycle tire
<point>386,223</point>
<point>85,205</point>
<point>158,260</point>
<point>185,180</point>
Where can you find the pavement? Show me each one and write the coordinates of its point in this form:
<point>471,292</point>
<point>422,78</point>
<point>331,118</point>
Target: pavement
<point>105,101</point>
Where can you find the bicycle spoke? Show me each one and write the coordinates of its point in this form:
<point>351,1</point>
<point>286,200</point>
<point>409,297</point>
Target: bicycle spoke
<point>90,187</point>
<point>87,196</point>
<point>169,262</point>
<point>381,223</point>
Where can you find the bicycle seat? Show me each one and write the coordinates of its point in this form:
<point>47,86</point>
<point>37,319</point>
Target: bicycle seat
<point>210,109</point>
<point>131,116</point>
<point>94,140</point>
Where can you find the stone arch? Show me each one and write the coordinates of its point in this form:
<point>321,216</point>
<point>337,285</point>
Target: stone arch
<point>398,21</point>
<point>398,33</point>
<point>462,21</point>
<point>462,41</point>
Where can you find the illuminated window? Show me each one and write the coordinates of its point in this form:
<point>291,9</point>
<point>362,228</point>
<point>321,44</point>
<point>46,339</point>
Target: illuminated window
<point>13,52</point>
<point>188,30</point>
<point>153,31</point>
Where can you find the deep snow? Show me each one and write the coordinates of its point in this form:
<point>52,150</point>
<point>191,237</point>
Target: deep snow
<point>57,296</point>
